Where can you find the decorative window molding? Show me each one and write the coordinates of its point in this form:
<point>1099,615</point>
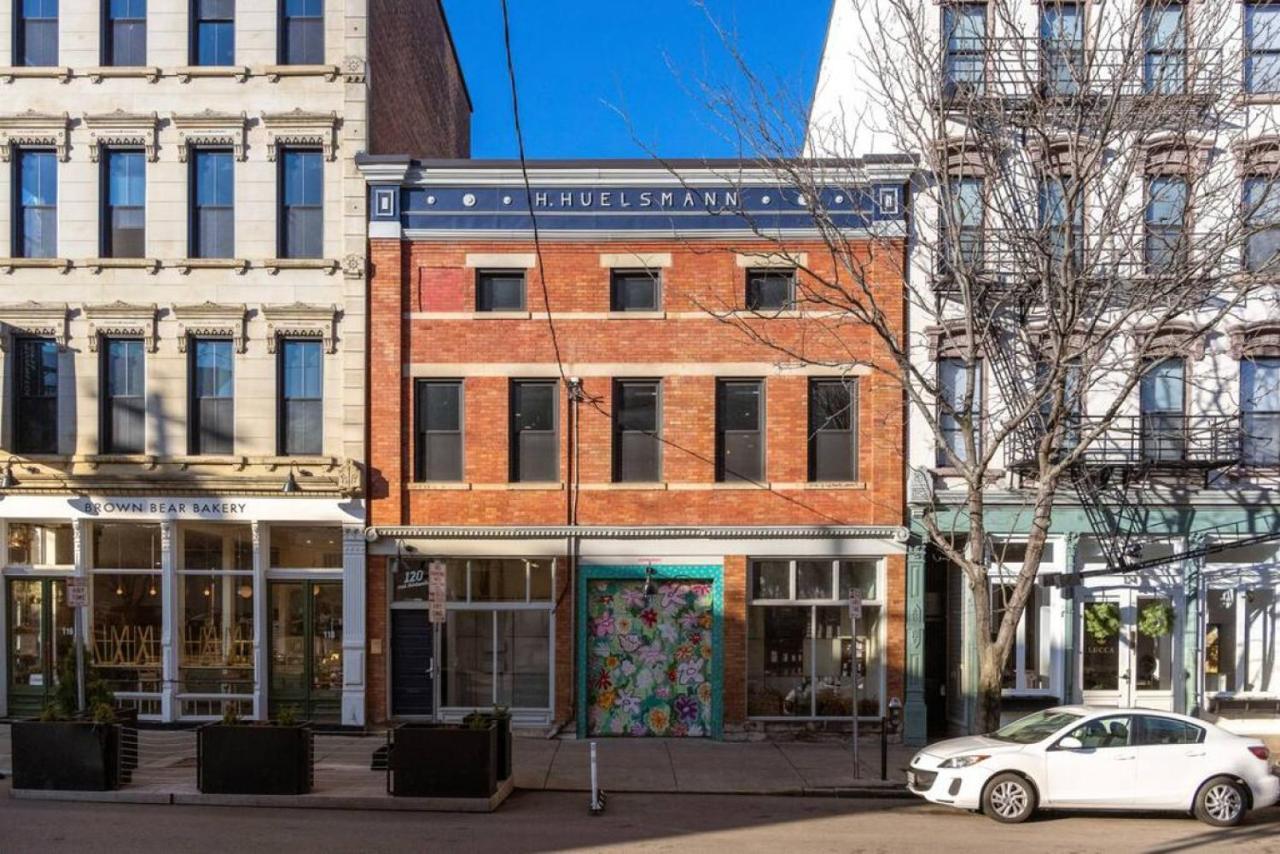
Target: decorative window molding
<point>301,128</point>
<point>959,157</point>
<point>121,129</point>
<point>274,73</point>
<point>33,130</point>
<point>1176,338</point>
<point>1258,156</point>
<point>211,320</point>
<point>353,69</point>
<point>37,319</point>
<point>301,320</point>
<point>1177,155</point>
<point>1255,340</point>
<point>122,320</point>
<point>353,265</point>
<point>211,128</point>
<point>951,340</point>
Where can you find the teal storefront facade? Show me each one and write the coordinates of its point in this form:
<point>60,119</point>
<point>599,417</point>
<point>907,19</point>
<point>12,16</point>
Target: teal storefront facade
<point>1194,634</point>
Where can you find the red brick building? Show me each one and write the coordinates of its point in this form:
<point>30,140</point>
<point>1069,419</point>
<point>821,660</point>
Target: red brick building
<point>647,522</point>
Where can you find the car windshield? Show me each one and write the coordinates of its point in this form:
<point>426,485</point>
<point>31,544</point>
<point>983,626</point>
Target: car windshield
<point>1035,727</point>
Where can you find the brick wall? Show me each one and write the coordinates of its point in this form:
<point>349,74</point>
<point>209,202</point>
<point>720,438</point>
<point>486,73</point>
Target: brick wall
<point>376,630</point>
<point>418,102</point>
<point>735,639</point>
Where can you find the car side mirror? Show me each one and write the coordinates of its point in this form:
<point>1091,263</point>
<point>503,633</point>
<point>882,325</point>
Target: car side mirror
<point>1070,743</point>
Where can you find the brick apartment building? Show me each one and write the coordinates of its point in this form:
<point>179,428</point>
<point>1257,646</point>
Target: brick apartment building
<point>648,523</point>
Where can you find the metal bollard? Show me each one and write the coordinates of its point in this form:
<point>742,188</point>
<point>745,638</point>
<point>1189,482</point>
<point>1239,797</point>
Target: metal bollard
<point>884,748</point>
<point>598,797</point>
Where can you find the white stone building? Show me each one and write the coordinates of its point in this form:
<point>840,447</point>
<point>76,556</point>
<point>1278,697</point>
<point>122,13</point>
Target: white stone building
<point>182,312</point>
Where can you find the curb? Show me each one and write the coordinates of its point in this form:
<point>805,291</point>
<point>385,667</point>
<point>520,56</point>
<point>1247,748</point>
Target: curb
<point>887,792</point>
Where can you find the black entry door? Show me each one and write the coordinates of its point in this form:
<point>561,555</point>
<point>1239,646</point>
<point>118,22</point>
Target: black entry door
<point>412,656</point>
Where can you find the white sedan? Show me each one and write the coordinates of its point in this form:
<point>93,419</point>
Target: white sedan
<point>1082,757</point>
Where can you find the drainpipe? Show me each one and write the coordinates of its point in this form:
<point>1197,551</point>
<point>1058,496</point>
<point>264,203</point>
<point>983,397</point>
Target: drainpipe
<point>572,542</point>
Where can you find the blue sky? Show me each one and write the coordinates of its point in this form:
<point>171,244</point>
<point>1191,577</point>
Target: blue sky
<point>580,62</point>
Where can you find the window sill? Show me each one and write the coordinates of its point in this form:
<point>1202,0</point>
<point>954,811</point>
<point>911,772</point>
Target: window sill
<point>186,72</point>
<point>548,486</point>
<point>97,265</point>
<point>98,73</point>
<point>440,486</point>
<point>275,72</point>
<point>630,486</point>
<point>637,315</point>
<point>501,315</point>
<point>275,265</point>
<point>186,265</point>
<point>736,486</point>
<point>8,265</point>
<point>823,485</point>
<point>9,73</point>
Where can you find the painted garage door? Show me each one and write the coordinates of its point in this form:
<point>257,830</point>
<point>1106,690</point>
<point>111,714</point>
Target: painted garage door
<point>649,658</point>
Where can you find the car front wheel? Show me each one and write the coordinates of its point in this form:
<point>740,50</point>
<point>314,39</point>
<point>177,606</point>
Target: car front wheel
<point>1221,803</point>
<point>1009,798</point>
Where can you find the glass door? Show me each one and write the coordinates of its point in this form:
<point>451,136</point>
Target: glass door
<point>1152,634</point>
<point>1104,668</point>
<point>41,632</point>
<point>306,649</point>
<point>1127,656</point>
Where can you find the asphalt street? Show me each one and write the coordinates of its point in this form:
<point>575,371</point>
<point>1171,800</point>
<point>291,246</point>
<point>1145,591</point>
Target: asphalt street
<point>559,821</point>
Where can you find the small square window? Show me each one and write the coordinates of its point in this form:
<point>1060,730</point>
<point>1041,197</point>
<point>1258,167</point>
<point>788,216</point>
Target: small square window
<point>771,290</point>
<point>500,290</point>
<point>813,579</point>
<point>634,290</point>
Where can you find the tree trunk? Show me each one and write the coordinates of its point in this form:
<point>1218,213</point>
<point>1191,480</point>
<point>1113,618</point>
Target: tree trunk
<point>990,684</point>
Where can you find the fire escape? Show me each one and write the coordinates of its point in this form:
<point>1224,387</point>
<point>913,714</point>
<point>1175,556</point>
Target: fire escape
<point>1003,279</point>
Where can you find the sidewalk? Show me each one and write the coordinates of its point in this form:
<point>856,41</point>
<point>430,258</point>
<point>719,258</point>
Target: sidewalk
<point>167,760</point>
<point>709,767</point>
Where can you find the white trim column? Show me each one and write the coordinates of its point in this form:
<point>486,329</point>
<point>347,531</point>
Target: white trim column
<point>261,554</point>
<point>353,625</point>
<point>171,625</point>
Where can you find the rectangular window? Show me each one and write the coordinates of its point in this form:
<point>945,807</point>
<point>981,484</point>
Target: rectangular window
<point>123,397</point>
<point>953,414</point>
<point>1062,65</point>
<point>1164,38</point>
<point>962,226</point>
<point>740,430</point>
<point>771,290</point>
<point>833,430</point>
<point>500,290</point>
<point>634,290</point>
<point>301,204</point>
<point>35,33</point>
<point>803,651</point>
<point>964,27</point>
<point>301,397</point>
<point>1262,47</point>
<point>1166,243</point>
<point>1062,220</point>
<point>215,629</point>
<point>535,446</point>
<point>1162,394</point>
<point>212,204</point>
<point>124,33</point>
<point>36,220</point>
<point>212,397</point>
<point>35,403</point>
<point>41,544</point>
<point>124,216</point>
<point>1029,665</point>
<point>637,431</point>
<point>437,445</point>
<point>1260,393</point>
<point>213,37</point>
<point>305,547</point>
<point>302,32</point>
<point>1262,222</point>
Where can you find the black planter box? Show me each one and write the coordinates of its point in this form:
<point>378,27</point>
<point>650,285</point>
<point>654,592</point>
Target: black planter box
<point>443,761</point>
<point>72,756</point>
<point>503,723</point>
<point>254,759</point>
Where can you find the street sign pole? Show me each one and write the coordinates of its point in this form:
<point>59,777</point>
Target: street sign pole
<point>77,598</point>
<point>855,612</point>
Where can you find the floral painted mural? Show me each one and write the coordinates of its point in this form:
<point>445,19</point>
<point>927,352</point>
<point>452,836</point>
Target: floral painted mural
<point>650,658</point>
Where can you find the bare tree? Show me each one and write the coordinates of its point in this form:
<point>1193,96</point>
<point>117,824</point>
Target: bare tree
<point>1078,219</point>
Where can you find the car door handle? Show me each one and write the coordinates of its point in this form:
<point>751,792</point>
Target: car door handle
<point>1123,758</point>
<point>1195,753</point>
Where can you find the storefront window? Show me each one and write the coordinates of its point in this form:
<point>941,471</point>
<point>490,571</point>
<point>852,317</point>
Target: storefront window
<point>497,640</point>
<point>41,544</point>
<point>801,658</point>
<point>1220,641</point>
<point>215,589</point>
<point>128,612</point>
<point>123,545</point>
<point>295,547</point>
<point>1028,665</point>
<point>306,648</point>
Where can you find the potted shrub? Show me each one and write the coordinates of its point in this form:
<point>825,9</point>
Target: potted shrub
<point>69,748</point>
<point>235,757</point>
<point>444,760</point>
<point>501,718</point>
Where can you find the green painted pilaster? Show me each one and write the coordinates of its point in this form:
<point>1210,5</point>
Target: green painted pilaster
<point>1070,595</point>
<point>915,716</point>
<point>1193,605</point>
